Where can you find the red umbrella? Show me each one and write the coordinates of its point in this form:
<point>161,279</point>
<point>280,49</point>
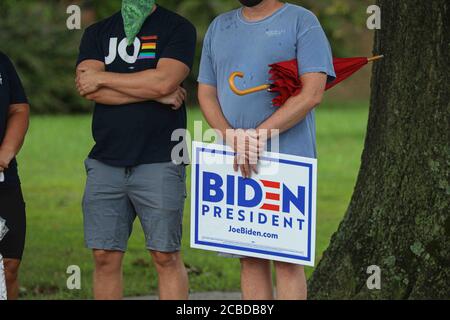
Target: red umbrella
<point>286,80</point>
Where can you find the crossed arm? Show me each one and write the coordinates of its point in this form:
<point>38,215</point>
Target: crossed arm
<point>248,144</point>
<point>161,84</point>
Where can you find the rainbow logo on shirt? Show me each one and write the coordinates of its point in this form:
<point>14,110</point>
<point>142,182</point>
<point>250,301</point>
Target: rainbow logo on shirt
<point>148,47</point>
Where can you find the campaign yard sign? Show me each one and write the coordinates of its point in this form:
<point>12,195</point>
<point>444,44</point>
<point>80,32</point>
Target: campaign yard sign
<point>271,215</point>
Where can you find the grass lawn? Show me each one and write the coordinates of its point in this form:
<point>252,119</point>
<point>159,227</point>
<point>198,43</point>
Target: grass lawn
<point>53,178</point>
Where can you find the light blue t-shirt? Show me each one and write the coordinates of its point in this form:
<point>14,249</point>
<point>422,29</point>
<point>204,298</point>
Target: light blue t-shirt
<point>234,44</point>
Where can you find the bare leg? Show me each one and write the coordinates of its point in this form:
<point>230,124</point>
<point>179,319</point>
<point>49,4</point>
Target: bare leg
<point>291,281</point>
<point>108,275</point>
<point>173,280</point>
<point>256,279</point>
<point>12,278</point>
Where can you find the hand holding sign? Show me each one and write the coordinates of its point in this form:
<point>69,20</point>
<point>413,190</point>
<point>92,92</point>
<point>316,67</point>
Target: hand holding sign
<point>248,145</point>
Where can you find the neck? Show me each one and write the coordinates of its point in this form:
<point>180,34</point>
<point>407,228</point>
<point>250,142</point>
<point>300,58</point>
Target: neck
<point>262,10</point>
<point>153,9</point>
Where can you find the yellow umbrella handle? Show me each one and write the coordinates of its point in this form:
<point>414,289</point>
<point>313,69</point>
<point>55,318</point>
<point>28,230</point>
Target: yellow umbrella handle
<point>375,58</point>
<point>247,91</point>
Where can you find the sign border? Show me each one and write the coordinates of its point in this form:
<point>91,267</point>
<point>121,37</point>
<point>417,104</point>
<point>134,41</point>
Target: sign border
<point>198,149</point>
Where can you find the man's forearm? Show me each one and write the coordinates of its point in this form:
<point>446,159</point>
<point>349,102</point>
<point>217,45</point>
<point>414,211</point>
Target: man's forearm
<point>18,120</point>
<point>212,111</point>
<point>152,84</point>
<point>215,118</point>
<point>148,85</point>
<point>290,114</point>
<point>112,97</point>
<point>296,108</point>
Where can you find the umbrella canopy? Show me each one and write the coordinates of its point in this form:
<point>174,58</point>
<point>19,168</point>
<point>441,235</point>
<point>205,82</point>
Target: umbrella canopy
<point>286,79</point>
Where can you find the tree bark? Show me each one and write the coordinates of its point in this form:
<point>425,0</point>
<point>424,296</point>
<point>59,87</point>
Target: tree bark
<point>398,218</point>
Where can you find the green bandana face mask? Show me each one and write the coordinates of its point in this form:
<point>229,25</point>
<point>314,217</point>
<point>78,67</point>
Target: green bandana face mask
<point>134,13</point>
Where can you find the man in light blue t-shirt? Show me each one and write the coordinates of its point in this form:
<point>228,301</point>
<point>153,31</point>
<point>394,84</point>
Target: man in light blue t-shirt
<point>248,40</point>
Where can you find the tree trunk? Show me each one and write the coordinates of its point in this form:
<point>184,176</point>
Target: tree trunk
<point>398,218</point>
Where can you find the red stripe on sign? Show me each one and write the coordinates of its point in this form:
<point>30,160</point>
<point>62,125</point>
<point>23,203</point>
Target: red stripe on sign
<point>271,184</point>
<point>272,196</point>
<point>271,207</point>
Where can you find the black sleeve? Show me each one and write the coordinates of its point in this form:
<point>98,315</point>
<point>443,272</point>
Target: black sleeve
<point>90,47</point>
<point>17,93</point>
<point>181,45</point>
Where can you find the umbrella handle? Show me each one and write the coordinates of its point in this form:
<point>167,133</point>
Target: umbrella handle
<point>246,91</point>
<point>375,58</point>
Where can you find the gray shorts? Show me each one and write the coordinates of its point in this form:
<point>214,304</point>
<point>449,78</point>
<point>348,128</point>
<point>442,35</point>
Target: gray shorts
<point>114,196</point>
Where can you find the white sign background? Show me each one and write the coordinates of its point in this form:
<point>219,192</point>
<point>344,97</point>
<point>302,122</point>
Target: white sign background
<point>267,241</point>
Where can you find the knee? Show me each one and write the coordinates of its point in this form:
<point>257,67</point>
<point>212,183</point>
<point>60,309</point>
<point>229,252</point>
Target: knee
<point>165,260</point>
<point>289,268</point>
<point>254,263</point>
<point>11,270</point>
<point>107,261</point>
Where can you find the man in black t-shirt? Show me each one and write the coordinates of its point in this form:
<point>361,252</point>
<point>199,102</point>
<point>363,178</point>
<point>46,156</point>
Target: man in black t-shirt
<point>139,104</point>
<point>14,114</point>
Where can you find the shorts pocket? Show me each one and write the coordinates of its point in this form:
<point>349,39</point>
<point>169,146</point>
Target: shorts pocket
<point>87,165</point>
<point>174,188</point>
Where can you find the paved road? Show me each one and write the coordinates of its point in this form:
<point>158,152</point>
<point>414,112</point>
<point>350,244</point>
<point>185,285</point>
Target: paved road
<point>200,296</point>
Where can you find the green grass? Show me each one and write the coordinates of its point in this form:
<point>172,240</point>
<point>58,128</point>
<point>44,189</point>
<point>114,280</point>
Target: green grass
<point>53,179</point>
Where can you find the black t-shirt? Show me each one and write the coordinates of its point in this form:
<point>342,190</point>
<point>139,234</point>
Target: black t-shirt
<point>138,133</point>
<point>11,92</point>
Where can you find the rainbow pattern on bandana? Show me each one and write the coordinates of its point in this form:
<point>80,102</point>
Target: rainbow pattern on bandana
<point>148,47</point>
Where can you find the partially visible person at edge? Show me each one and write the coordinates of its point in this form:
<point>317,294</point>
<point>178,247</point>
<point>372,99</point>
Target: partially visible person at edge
<point>248,40</point>
<point>133,68</point>
<point>14,118</point>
